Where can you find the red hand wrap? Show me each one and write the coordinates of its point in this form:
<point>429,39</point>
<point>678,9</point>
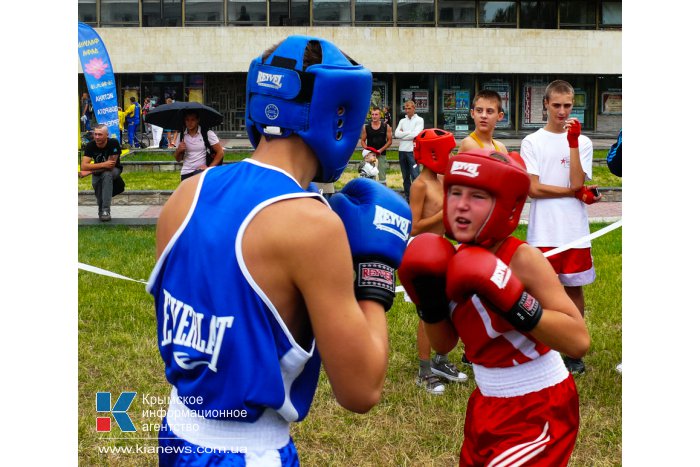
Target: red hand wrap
<point>573,133</point>
<point>585,195</point>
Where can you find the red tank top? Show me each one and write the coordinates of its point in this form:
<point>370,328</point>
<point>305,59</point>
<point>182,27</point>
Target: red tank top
<point>489,340</point>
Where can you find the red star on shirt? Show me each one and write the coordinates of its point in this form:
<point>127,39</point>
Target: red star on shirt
<point>563,161</point>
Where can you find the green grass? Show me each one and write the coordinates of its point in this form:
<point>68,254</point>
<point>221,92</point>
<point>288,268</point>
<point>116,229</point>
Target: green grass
<point>118,352</point>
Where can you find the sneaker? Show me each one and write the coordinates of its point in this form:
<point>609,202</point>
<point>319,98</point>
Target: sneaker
<point>431,383</point>
<point>446,369</point>
<point>465,361</point>
<point>619,368</point>
<point>574,365</point>
<point>105,216</point>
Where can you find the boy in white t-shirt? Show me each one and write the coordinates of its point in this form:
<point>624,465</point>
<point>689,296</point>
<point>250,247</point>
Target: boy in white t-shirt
<point>559,160</point>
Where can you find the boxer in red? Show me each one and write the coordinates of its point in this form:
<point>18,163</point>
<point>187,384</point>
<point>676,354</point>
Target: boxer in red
<point>505,302</point>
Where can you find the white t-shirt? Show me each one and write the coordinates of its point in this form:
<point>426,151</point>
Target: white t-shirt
<point>555,222</point>
<point>407,130</point>
<point>196,152</point>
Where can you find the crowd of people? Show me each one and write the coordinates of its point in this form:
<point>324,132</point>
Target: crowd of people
<point>448,238</point>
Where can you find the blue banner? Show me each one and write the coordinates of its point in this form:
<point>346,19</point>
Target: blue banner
<point>99,77</point>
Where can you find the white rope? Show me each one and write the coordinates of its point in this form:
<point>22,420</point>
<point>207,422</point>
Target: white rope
<point>104,272</point>
<point>594,235</point>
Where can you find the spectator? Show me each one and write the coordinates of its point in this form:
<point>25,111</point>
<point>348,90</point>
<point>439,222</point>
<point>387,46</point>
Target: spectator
<point>407,129</point>
<point>614,158</point>
<point>145,108</point>
<point>241,263</point>
<point>121,115</point>
<point>559,160</point>
<point>387,116</point>
<point>102,159</point>
<point>376,137</point>
<point>86,111</point>
<point>170,134</point>
<point>486,112</point>
<point>192,150</point>
<point>432,150</point>
<point>368,168</point>
<point>502,299</point>
<point>133,120</point>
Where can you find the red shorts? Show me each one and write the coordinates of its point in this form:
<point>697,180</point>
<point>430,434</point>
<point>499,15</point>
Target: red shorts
<point>574,266</point>
<point>538,428</point>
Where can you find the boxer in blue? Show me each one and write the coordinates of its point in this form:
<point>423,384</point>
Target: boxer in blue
<point>258,281</point>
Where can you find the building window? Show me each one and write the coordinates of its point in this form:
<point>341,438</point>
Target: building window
<point>87,11</point>
<point>247,12</point>
<point>457,13</point>
<point>119,13</point>
<point>162,13</point>
<point>416,12</point>
<point>611,14</point>
<point>204,12</point>
<point>289,12</point>
<point>331,12</point>
<point>577,14</point>
<point>454,100</point>
<point>374,12</point>
<point>498,14</point>
<point>538,15</point>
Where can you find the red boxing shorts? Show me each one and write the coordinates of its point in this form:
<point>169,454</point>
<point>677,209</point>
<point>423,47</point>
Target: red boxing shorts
<point>538,428</point>
<point>574,266</point>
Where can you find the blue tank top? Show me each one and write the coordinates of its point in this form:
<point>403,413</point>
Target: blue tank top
<point>225,347</point>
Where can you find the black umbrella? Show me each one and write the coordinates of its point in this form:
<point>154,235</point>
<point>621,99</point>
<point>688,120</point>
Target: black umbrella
<point>172,116</point>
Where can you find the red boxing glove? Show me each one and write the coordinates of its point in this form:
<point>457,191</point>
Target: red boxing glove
<point>573,133</point>
<point>475,270</point>
<point>586,195</point>
<point>423,273</point>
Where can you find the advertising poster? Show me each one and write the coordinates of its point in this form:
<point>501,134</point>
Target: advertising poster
<point>99,77</point>
<point>419,96</point>
<point>503,89</point>
<point>611,103</point>
<point>378,98</point>
<point>534,112</point>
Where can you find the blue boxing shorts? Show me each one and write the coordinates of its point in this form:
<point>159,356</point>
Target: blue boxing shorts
<point>175,451</point>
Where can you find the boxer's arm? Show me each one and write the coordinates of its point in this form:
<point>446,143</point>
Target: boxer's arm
<point>561,326</point>
<point>352,338</point>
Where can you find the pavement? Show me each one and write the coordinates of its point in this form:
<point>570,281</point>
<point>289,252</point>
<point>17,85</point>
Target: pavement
<point>147,214</point>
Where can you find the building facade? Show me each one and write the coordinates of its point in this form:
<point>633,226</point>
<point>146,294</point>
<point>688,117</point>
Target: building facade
<point>438,53</point>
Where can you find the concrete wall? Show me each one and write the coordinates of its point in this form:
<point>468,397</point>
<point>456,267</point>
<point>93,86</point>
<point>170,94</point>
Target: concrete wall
<point>393,50</point>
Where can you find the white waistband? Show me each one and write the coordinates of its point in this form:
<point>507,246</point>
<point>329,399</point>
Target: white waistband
<point>270,431</point>
<point>525,378</point>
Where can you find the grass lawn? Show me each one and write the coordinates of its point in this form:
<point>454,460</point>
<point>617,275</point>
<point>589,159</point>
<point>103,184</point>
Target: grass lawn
<point>170,180</point>
<point>118,352</point>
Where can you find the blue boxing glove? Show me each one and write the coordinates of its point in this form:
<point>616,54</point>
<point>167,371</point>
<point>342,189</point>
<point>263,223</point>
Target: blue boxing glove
<point>378,224</point>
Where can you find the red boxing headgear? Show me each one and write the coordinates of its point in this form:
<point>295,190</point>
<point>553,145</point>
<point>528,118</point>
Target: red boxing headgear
<point>503,176</point>
<point>432,148</point>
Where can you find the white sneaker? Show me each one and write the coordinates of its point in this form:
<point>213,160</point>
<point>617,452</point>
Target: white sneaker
<point>443,367</point>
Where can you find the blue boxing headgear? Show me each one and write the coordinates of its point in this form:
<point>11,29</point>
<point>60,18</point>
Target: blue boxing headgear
<point>325,105</point>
